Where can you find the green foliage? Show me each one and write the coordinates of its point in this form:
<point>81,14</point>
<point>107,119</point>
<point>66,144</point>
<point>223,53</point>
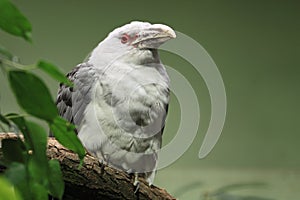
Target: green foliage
<point>32,94</point>
<point>16,174</point>
<point>53,72</point>
<point>64,133</point>
<point>28,169</point>
<point>13,21</point>
<point>7,192</point>
<point>4,120</point>
<point>56,184</point>
<point>13,150</point>
<point>5,53</point>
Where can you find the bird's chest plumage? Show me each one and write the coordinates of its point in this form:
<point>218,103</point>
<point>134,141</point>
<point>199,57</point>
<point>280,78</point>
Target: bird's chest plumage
<point>137,97</point>
<point>126,115</point>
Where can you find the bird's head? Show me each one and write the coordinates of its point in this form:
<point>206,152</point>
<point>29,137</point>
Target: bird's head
<point>142,35</point>
<point>132,41</point>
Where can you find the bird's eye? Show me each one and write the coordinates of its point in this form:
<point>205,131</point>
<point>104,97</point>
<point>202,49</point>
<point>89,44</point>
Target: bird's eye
<point>124,38</point>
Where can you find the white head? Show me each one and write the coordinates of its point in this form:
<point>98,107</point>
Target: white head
<point>132,42</point>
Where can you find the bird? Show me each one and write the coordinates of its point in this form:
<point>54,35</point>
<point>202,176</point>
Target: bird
<point>119,98</point>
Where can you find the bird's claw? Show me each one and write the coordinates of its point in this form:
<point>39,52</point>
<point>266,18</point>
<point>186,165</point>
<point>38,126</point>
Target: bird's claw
<point>136,183</point>
<point>137,187</point>
<point>104,162</point>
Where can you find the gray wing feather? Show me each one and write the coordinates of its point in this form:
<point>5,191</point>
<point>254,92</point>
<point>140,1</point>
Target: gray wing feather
<point>72,101</point>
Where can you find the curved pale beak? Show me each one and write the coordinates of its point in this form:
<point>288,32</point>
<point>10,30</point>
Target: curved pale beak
<point>153,36</point>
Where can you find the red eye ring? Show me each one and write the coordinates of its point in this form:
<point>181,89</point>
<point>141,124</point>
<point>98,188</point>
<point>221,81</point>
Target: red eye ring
<point>124,38</point>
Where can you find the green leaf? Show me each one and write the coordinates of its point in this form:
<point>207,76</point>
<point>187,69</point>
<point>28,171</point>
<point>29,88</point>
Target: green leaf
<point>4,120</point>
<point>7,192</point>
<point>54,72</point>
<point>5,53</point>
<point>21,124</point>
<point>64,132</point>
<point>13,150</point>
<point>32,94</point>
<point>37,171</point>
<point>38,191</point>
<point>16,174</point>
<point>38,162</point>
<point>56,183</point>
<point>39,142</point>
<point>34,135</point>
<point>13,21</point>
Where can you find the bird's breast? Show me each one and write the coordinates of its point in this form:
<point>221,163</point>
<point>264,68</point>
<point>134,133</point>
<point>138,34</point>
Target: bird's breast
<point>131,103</point>
<point>126,116</point>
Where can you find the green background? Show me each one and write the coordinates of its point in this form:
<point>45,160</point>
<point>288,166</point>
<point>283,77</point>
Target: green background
<point>256,47</point>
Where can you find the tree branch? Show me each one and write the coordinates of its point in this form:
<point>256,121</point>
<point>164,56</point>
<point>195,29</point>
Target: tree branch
<point>94,180</point>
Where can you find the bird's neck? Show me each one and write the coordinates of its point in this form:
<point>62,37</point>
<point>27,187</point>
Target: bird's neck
<point>145,57</point>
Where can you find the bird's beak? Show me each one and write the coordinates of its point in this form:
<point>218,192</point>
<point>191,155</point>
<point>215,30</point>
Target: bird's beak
<point>154,36</point>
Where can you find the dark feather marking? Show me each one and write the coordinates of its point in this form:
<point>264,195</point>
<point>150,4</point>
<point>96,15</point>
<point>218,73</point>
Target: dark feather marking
<point>72,101</point>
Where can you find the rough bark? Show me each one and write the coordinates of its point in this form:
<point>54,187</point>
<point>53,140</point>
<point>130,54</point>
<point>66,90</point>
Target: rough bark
<point>95,180</point>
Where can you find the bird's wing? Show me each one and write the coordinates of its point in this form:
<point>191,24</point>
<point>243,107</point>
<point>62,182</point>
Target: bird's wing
<point>72,101</point>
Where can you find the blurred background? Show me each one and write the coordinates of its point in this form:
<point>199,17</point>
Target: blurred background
<point>255,45</point>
